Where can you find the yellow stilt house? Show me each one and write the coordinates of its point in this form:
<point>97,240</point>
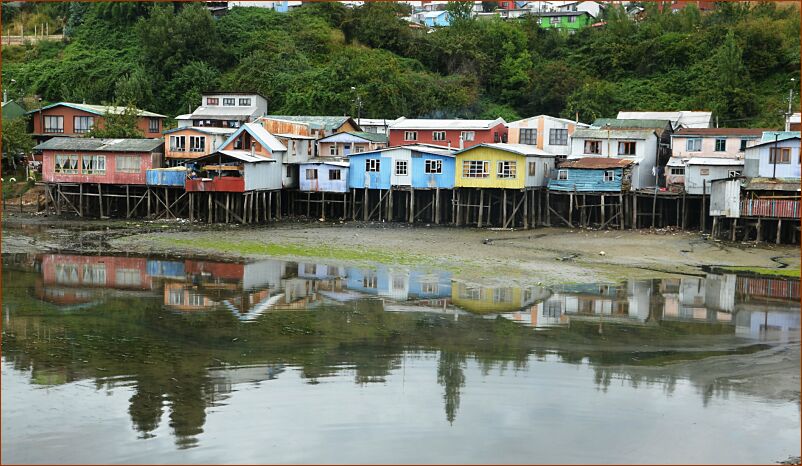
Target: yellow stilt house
<point>505,166</point>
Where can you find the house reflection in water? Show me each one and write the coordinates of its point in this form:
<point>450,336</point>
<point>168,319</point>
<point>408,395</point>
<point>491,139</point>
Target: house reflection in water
<point>495,300</point>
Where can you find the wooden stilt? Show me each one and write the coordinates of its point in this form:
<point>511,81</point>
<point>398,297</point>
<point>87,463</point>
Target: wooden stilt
<point>779,232</point>
<point>411,206</point>
<point>714,231</point>
<point>365,206</point>
<point>437,206</point>
<point>526,210</point>
<point>481,207</point>
<point>548,209</point>
<point>759,234</point>
<point>389,213</point>
<point>100,198</point>
<point>635,224</point>
<point>684,211</point>
<point>702,214</point>
<point>733,227</point>
<point>570,210</point>
<point>603,213</point>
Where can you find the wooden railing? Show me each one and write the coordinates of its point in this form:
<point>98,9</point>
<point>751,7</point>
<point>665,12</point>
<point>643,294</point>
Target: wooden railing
<point>775,208</point>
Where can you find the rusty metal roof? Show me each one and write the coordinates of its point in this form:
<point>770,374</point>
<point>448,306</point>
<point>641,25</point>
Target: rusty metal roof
<point>100,145</point>
<point>596,163</point>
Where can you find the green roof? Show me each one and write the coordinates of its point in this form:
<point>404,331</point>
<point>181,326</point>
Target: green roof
<point>100,109</point>
<point>620,123</point>
<point>12,110</point>
<point>100,145</point>
<point>372,137</point>
<point>327,123</point>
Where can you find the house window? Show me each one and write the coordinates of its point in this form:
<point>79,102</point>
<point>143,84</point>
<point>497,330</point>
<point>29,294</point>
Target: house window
<point>67,164</point>
<point>358,149</point>
<point>475,169</point>
<point>178,143</point>
<point>626,148</point>
<point>311,173</point>
<point>704,171</point>
<point>93,165</point>
<point>82,124</point>
<point>410,135</point>
<point>693,145</point>
<point>468,135</point>
<point>127,163</point>
<point>401,168</point>
<point>372,165</point>
<point>593,147</point>
<point>369,281</point>
<point>507,169</point>
<point>502,295</point>
<point>495,137</point>
<point>743,144</point>
<point>562,174</point>
<point>127,277</point>
<point>433,167</point>
<point>333,149</point>
<point>245,102</point>
<point>528,136</point>
<point>229,101</point>
<point>532,168</point>
<point>54,124</point>
<point>733,173</point>
<point>197,143</point>
<point>335,174</point>
<point>780,155</point>
<point>721,145</point>
<point>572,19</point>
<point>555,20</point>
<point>289,171</point>
<point>212,101</point>
<point>429,288</point>
<point>677,170</point>
<point>609,175</point>
<point>438,135</point>
<point>558,137</point>
<point>153,125</point>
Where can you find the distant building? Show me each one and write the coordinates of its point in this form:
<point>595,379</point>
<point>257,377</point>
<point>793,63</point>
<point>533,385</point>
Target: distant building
<point>637,145</point>
<point>436,19</point>
<point>680,119</point>
<point>374,125</point>
<point>352,141</point>
<point>12,110</point>
<point>545,132</point>
<point>66,119</point>
<point>456,133</point>
<point>775,156</point>
<point>564,20</point>
<point>592,175</point>
<point>225,110</point>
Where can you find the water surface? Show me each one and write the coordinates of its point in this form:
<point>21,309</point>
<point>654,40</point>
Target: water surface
<point>166,360</point>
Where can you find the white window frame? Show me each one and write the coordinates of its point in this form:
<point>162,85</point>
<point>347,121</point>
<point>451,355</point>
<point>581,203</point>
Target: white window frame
<point>693,145</point>
<point>59,124</point>
<point>410,135</point>
<point>678,171</point>
<point>74,163</point>
<point>609,176</point>
<point>733,173</point>
<point>623,144</point>
<point>506,169</point>
<point>372,165</point>
<point>438,135</point>
<point>468,135</point>
<point>587,146</point>
<point>311,173</point>
<point>723,142</point>
<point>93,164</point>
<point>558,137</point>
<point>562,174</point>
<point>475,168</point>
<point>401,168</point>
<point>244,101</point>
<point>532,169</point>
<point>175,147</point>
<point>229,101</point>
<point>212,101</point>
<point>82,128</point>
<point>193,143</point>
<point>153,125</point>
<point>433,167</point>
<point>127,163</point>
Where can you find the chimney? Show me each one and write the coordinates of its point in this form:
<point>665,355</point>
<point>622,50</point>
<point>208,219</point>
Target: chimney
<point>461,142</point>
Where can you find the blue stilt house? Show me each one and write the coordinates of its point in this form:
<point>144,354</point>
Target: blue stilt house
<point>419,166</point>
<point>592,175</point>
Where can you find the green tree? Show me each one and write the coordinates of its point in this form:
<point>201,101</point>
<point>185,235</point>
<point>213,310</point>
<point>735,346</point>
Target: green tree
<point>118,125</point>
<point>16,140</point>
<point>460,11</point>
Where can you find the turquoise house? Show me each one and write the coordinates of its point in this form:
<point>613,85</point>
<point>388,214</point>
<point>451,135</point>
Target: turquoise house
<point>418,166</point>
<point>592,175</point>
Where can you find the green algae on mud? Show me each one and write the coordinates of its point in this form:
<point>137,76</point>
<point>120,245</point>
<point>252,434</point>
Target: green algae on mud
<point>763,271</point>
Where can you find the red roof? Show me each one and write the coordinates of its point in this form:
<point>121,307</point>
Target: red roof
<point>596,163</point>
<point>756,132</point>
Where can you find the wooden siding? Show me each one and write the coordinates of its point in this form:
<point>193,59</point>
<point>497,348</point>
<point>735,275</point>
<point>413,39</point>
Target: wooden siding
<point>423,180</point>
<point>775,208</point>
<point>147,160</point>
<point>425,136</point>
<point>323,183</point>
<point>70,113</point>
<point>358,178</point>
<point>493,156</point>
<point>210,145</point>
<point>589,180</point>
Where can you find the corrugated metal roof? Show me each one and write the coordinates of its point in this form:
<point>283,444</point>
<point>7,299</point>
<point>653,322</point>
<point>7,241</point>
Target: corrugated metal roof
<point>457,124</point>
<point>728,132</point>
<point>715,161</point>
<point>100,109</point>
<point>223,113</point>
<point>356,135</point>
<point>323,161</point>
<point>772,184</point>
<point>375,121</point>
<point>768,136</point>
<point>631,123</point>
<point>260,134</point>
<point>521,149</point>
<point>242,155</point>
<point>684,118</point>
<point>100,145</point>
<point>595,163</point>
<point>423,148</point>
<point>327,123</point>
<point>203,129</point>
<point>294,136</point>
<point>517,123</point>
<point>589,133</point>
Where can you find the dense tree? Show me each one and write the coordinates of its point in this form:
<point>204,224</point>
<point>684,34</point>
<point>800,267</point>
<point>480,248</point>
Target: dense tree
<point>16,139</point>
<point>118,125</point>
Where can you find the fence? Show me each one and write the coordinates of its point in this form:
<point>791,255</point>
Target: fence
<point>776,208</point>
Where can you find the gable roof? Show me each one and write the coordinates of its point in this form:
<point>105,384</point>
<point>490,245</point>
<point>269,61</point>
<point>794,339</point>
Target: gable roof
<point>100,145</point>
<point>202,129</point>
<point>595,133</point>
<point>99,109</point>
<point>365,136</point>
<point>597,163</point>
<point>238,154</point>
<point>521,149</point>
<point>631,123</point>
<point>516,123</point>
<point>326,123</point>
<point>769,136</point>
<point>423,148</point>
<point>260,134</point>
<point>683,118</point>
<point>454,124</point>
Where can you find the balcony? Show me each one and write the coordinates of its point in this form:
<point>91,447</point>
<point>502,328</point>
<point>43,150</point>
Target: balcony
<point>224,184</point>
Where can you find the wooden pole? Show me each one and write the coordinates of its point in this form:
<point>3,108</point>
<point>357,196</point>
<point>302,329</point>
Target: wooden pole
<point>654,206</point>
<point>702,212</point>
<point>81,200</point>
<point>733,226</point>
<point>779,231</point>
<point>684,211</point>
<point>548,209</point>
<point>526,210</point>
<point>100,198</point>
<point>412,206</point>
<point>504,209</point>
<point>759,236</point>
<point>209,212</point>
<point>437,206</point>
<point>389,214</point>
<point>570,209</point>
<point>635,224</point>
<point>621,211</point>
<point>365,206</point>
<point>603,214</point>
<point>481,207</point>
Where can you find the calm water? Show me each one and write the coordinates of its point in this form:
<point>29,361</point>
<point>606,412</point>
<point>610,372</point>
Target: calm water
<point>160,360</point>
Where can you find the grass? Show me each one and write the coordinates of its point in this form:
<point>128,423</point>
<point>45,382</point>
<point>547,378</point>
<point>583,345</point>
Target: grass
<point>353,254</point>
<point>788,273</point>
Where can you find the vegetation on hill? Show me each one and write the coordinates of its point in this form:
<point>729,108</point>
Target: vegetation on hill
<point>737,61</point>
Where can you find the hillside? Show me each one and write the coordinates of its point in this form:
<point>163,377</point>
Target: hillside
<point>736,61</point>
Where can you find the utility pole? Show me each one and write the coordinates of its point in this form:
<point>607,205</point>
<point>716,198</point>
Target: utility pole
<point>790,102</point>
